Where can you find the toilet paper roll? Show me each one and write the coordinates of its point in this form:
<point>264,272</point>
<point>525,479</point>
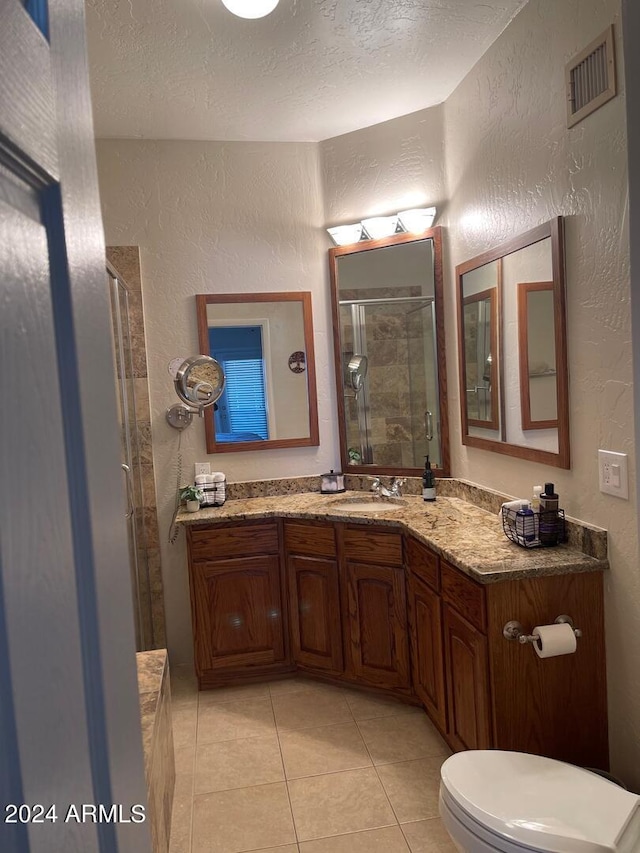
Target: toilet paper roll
<point>553,640</point>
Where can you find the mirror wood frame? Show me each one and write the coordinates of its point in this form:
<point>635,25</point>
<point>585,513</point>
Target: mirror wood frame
<point>492,295</point>
<point>435,235</point>
<point>554,229</point>
<point>304,298</point>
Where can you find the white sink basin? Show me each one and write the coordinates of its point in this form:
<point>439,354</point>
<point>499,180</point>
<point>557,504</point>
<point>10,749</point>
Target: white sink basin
<point>367,503</point>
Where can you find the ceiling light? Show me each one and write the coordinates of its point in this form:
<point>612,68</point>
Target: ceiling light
<point>418,219</point>
<point>250,8</point>
<point>344,235</point>
<point>380,226</point>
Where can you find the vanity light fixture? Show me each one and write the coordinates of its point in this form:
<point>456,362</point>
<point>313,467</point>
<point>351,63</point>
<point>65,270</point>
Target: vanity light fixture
<point>413,221</point>
<point>417,219</point>
<point>380,226</point>
<point>250,8</point>
<point>344,235</point>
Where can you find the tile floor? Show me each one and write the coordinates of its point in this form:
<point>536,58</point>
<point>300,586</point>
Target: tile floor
<point>296,766</point>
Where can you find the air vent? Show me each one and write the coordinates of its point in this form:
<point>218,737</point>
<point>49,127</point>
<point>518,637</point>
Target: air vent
<point>591,78</point>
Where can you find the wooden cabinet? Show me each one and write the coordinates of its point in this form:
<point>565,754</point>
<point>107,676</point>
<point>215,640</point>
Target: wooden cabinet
<point>377,625</point>
<point>427,661</point>
<point>339,595</point>
<point>375,622</point>
<point>314,606</point>
<point>365,605</point>
<point>466,664</point>
<point>236,598</point>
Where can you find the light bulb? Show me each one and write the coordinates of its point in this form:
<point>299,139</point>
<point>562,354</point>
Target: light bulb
<point>250,8</point>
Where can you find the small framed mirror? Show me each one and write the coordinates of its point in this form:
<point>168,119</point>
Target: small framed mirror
<point>264,343</point>
<point>512,348</point>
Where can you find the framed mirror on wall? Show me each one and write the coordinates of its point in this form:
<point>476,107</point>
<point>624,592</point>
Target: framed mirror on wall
<point>387,301</point>
<point>264,342</point>
<point>512,348</point>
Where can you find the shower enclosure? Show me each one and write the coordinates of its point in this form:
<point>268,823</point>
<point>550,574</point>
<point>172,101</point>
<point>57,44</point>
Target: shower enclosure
<point>132,483</point>
<point>391,419</point>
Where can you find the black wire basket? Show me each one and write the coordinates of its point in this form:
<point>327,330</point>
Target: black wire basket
<point>541,529</point>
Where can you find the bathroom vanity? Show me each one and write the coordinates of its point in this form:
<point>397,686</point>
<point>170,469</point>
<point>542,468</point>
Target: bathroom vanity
<point>411,602</point>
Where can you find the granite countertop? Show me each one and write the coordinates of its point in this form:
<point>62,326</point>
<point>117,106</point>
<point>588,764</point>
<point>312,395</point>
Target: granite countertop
<point>467,536</point>
<point>152,670</point>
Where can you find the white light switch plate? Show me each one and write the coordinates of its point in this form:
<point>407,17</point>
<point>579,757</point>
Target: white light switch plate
<point>203,468</point>
<point>613,473</point>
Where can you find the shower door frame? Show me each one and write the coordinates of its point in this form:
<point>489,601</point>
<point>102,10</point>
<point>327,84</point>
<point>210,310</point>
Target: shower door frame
<point>143,616</point>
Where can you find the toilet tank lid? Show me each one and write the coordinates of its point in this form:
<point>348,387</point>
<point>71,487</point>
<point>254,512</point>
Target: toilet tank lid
<point>543,804</point>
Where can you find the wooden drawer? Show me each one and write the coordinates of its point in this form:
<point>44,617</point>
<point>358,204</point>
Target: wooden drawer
<point>370,545</point>
<point>305,537</point>
<point>236,540</point>
<point>423,563</point>
<point>464,595</point>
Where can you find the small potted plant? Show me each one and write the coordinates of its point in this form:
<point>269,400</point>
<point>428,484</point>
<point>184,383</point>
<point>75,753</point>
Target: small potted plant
<point>192,495</point>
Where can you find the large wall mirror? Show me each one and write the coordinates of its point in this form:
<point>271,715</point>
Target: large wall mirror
<point>264,342</point>
<point>389,354</point>
<point>512,348</point>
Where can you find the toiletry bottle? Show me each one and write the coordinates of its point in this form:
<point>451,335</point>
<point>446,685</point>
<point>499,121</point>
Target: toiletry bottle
<point>525,524</point>
<point>549,499</point>
<point>535,502</point>
<point>428,482</point>
<point>548,525</point>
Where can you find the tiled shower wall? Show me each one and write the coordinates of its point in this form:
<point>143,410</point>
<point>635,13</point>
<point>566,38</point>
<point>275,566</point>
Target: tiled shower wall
<point>126,261</point>
<point>396,377</point>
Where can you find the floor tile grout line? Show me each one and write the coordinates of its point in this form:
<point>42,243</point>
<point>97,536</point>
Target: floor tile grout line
<point>286,783</point>
<point>378,778</point>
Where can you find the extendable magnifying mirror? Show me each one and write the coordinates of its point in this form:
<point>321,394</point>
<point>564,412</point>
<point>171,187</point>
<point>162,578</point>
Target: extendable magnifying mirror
<point>199,383</point>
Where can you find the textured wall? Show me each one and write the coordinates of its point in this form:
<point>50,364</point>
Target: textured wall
<point>219,217</point>
<point>382,169</point>
<point>511,164</point>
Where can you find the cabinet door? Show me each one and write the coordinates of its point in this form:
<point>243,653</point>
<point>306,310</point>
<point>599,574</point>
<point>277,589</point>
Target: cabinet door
<point>425,629</point>
<point>466,664</point>
<point>237,608</point>
<point>377,625</point>
<point>314,597</point>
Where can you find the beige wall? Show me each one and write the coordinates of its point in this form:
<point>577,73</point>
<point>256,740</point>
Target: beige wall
<point>392,166</point>
<point>249,217</point>
<point>209,217</point>
<point>511,164</point>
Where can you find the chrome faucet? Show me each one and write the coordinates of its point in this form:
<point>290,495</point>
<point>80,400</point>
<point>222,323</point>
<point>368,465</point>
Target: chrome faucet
<point>381,491</point>
<point>396,486</point>
<point>378,489</point>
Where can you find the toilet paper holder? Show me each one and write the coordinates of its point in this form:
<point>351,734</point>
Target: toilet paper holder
<point>513,630</point>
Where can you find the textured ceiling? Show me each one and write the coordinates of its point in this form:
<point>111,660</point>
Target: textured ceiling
<point>313,69</point>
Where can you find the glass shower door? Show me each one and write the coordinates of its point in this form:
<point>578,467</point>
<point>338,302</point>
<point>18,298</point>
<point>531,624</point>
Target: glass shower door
<point>130,458</point>
<point>393,420</point>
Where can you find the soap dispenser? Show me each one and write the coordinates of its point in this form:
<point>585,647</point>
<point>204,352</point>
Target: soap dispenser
<point>428,482</point>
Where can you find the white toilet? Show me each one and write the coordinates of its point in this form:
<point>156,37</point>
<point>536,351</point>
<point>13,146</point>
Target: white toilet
<point>515,803</point>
